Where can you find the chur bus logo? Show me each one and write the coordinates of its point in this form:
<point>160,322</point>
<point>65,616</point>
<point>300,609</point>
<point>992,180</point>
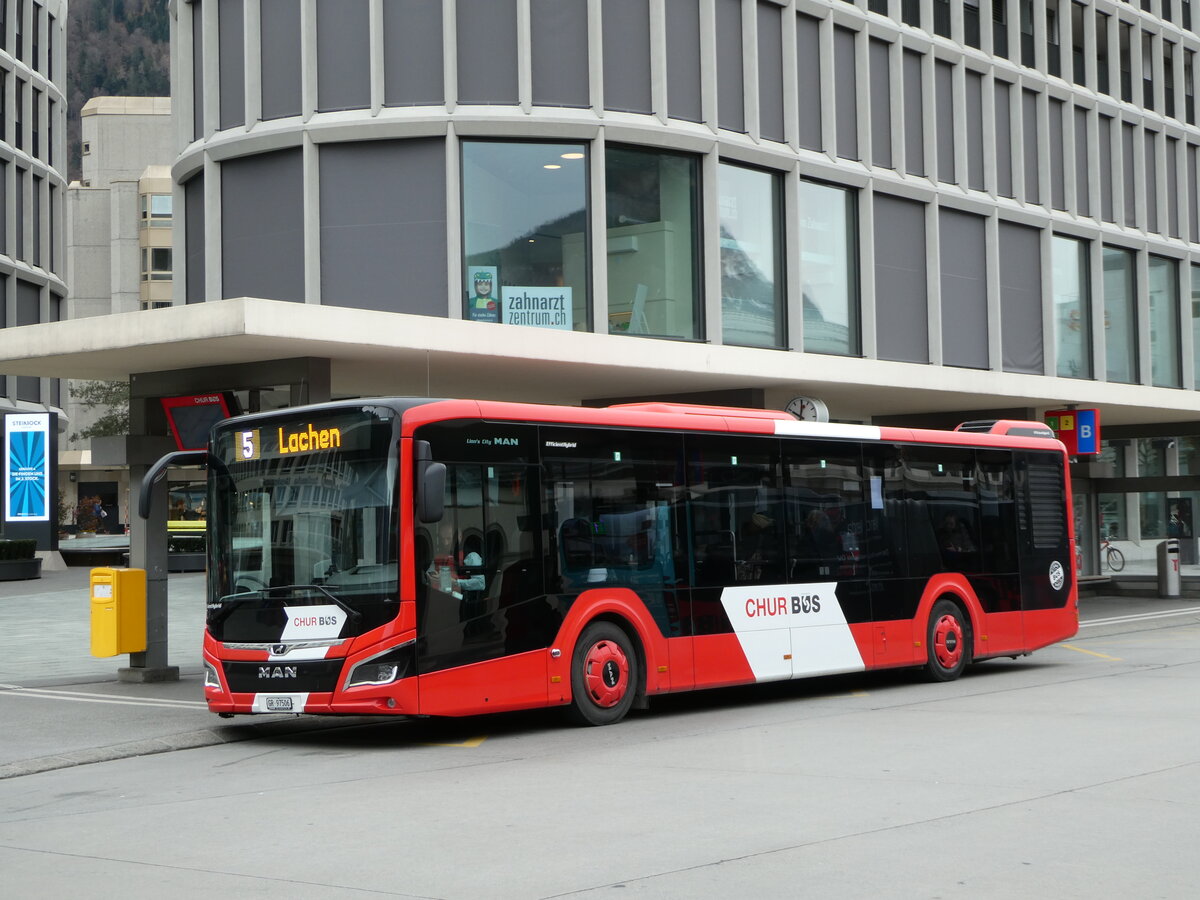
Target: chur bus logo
<point>277,672</point>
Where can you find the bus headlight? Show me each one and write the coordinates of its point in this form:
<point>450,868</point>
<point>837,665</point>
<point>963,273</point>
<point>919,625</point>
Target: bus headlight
<point>211,678</point>
<point>386,668</point>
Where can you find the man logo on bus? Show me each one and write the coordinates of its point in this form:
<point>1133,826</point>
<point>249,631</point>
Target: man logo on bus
<point>277,672</point>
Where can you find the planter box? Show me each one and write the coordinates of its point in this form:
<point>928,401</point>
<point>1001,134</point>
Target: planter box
<point>186,562</point>
<point>20,569</point>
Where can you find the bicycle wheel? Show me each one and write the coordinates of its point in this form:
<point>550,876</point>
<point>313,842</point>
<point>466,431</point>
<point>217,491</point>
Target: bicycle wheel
<point>1116,559</point>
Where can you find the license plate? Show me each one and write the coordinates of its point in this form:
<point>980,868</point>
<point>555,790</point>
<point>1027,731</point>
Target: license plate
<point>279,704</point>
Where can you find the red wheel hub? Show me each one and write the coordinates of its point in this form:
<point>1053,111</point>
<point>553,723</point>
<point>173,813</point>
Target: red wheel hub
<point>606,673</point>
<point>948,641</point>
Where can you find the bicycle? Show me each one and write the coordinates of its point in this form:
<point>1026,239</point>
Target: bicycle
<point>1112,556</point>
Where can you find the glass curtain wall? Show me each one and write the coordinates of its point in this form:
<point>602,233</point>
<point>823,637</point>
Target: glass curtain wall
<point>1196,324</point>
<point>1120,316</point>
<point>525,234</point>
<point>1164,322</point>
<point>653,243</point>
<point>751,271</point>
<point>829,268</point>
<point>1114,523</point>
<point>1072,305</point>
<point>1152,462</point>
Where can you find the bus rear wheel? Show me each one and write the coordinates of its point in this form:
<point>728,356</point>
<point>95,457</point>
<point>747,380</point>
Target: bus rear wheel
<point>604,675</point>
<point>948,639</point>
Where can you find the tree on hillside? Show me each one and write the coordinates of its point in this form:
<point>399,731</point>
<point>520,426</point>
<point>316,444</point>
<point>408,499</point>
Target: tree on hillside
<point>116,48</point>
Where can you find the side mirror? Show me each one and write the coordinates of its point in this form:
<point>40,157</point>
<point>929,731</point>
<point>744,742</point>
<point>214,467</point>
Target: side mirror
<point>430,484</point>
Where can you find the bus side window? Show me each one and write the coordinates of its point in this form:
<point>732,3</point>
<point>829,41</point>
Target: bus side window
<point>825,503</point>
<point>737,510</point>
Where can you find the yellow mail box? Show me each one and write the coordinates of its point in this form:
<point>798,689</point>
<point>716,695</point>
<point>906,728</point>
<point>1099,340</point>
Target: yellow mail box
<point>118,611</point>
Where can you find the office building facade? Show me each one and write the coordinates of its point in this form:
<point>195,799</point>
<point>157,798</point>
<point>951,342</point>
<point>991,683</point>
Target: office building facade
<point>1000,194</point>
<point>33,113</point>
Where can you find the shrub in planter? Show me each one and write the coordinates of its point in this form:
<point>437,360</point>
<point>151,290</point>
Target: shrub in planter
<point>18,560</point>
<point>23,549</point>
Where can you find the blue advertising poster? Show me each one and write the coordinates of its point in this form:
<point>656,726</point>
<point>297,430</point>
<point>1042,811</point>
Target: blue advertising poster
<point>26,467</point>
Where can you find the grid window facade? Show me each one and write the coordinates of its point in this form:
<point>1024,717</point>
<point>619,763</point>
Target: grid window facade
<point>1054,131</point>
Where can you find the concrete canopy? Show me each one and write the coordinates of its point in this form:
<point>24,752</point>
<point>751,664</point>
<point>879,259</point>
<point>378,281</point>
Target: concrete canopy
<point>379,353</point>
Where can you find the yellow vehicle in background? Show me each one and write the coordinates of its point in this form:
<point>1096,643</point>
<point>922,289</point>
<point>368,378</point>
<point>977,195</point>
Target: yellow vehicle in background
<point>186,517</point>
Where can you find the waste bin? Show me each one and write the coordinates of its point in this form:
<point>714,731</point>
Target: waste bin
<point>1168,568</point>
<point>118,611</point>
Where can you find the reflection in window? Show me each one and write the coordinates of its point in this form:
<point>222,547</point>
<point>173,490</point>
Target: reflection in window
<point>1113,520</point>
<point>1120,316</point>
<point>971,35</point>
<point>1189,456</point>
<point>1151,457</point>
<point>1196,324</point>
<point>1072,305</point>
<point>737,512</point>
<point>1000,28</point>
<point>525,234</point>
<point>156,264</point>
<point>829,268</point>
<point>653,243</point>
<point>1101,52</point>
<point>156,210</point>
<point>1164,323</point>
<point>751,278</point>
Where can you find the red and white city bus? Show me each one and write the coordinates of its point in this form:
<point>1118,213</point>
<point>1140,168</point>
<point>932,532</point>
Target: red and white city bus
<point>454,557</point>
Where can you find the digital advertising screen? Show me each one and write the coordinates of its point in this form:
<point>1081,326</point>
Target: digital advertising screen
<point>26,467</point>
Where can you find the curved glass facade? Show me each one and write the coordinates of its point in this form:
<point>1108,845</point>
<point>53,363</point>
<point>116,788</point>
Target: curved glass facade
<point>980,187</point>
<point>32,129</point>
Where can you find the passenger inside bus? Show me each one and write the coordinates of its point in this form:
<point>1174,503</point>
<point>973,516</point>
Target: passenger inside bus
<point>818,548</point>
<point>457,563</point>
<point>954,535</point>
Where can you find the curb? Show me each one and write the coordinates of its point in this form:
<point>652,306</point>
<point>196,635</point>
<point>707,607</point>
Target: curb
<point>188,740</point>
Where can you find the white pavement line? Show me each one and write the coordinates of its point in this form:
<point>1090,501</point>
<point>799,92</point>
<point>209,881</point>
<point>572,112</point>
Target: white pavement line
<point>83,697</point>
<point>1143,617</point>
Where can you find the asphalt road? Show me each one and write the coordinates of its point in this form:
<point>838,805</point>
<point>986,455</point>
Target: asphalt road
<point>1072,773</point>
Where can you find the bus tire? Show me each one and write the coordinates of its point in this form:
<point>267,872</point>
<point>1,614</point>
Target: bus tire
<point>604,675</point>
<point>948,639</point>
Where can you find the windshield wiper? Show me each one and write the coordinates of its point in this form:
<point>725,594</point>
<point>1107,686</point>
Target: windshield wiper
<point>230,601</point>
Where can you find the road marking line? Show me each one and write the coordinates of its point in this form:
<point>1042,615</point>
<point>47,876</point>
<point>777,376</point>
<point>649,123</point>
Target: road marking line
<point>1090,652</point>
<point>470,742</point>
<point>1140,617</point>
<point>85,697</point>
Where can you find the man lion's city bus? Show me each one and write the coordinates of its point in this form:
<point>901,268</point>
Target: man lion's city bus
<point>452,557</point>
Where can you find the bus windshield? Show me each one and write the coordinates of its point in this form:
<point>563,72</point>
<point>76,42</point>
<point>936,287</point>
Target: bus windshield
<point>305,514</point>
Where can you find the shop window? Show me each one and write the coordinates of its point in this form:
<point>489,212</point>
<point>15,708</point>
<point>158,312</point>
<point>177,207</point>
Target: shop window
<point>653,243</point>
<point>525,234</point>
<point>751,272</point>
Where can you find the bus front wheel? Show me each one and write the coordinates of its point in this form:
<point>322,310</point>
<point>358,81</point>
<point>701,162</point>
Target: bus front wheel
<point>948,639</point>
<point>604,675</point>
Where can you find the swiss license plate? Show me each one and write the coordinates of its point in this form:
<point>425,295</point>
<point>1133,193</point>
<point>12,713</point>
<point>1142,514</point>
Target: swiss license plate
<point>279,704</point>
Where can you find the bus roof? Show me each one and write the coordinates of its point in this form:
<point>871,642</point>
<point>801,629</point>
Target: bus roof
<point>696,417</point>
